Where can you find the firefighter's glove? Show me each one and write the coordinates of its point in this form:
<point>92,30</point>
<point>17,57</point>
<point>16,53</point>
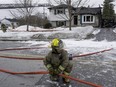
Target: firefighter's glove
<point>60,70</point>
<point>50,69</point>
<point>57,71</point>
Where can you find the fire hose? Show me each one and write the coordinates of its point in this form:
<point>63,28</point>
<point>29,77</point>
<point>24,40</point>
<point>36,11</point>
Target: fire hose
<point>11,57</point>
<point>45,72</point>
<point>7,49</point>
<point>81,55</point>
<point>76,56</point>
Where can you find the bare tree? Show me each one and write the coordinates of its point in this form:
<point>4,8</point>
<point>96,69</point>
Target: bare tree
<point>25,10</point>
<point>70,4</point>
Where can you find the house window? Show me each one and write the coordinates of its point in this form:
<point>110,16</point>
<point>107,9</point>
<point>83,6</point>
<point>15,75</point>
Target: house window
<point>60,23</point>
<point>88,19</point>
<point>60,11</point>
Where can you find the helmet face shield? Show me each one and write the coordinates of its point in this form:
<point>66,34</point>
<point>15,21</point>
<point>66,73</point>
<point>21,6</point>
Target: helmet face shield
<point>61,44</point>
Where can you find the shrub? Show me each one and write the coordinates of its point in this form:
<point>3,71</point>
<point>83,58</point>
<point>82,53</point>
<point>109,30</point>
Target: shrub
<point>3,27</point>
<point>48,25</point>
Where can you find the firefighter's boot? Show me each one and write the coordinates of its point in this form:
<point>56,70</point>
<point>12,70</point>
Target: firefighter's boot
<point>66,80</point>
<point>54,78</point>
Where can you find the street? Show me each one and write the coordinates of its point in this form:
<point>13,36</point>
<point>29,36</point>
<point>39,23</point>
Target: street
<point>99,68</point>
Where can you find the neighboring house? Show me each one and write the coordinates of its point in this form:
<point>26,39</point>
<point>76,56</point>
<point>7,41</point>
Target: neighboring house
<point>9,22</point>
<point>81,16</point>
<point>88,16</point>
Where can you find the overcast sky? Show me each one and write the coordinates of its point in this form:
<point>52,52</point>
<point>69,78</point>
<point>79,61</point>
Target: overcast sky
<point>97,2</point>
<point>93,3</point>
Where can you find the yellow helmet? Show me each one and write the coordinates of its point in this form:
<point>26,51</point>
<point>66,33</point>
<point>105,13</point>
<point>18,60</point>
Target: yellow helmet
<point>57,43</point>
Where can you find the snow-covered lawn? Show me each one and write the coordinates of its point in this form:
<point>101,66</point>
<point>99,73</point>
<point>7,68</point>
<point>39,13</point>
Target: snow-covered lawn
<point>73,39</point>
<point>20,33</point>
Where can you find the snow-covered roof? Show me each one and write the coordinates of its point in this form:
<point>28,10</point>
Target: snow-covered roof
<point>11,20</point>
<point>5,21</point>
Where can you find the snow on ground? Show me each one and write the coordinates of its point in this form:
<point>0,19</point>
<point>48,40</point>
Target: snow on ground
<point>96,31</point>
<point>61,32</point>
<point>114,30</point>
<point>84,46</point>
<point>23,28</point>
<point>72,44</point>
<point>20,33</point>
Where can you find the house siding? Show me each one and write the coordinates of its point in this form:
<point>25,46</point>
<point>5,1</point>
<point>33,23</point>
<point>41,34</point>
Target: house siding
<point>54,17</point>
<point>53,23</point>
<point>95,24</point>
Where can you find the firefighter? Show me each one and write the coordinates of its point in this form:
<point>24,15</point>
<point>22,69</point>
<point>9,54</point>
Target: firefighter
<point>57,61</point>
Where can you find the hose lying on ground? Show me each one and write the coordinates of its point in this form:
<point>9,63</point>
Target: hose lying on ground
<point>76,56</point>
<point>9,57</point>
<point>45,72</point>
<point>81,55</point>
<point>7,49</point>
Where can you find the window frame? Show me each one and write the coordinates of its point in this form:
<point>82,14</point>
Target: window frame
<point>91,19</point>
<point>60,11</point>
<point>60,23</point>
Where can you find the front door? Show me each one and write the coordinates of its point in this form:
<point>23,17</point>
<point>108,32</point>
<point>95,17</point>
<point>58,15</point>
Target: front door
<point>75,20</point>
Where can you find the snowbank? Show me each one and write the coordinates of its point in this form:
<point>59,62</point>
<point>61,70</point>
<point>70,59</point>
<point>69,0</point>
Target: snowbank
<point>96,31</point>
<point>78,33</point>
<point>24,28</point>
<point>20,33</point>
<point>114,30</point>
<point>15,36</point>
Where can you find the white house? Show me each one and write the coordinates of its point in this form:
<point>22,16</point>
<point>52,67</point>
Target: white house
<point>9,22</point>
<point>80,16</point>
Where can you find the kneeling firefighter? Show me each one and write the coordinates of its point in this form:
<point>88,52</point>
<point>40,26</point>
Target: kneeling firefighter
<point>57,61</point>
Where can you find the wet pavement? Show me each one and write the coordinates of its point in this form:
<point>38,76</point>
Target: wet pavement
<point>99,69</point>
<point>8,80</point>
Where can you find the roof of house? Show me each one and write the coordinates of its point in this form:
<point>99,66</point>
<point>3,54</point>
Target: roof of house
<point>60,6</point>
<point>11,20</point>
<point>80,10</point>
<point>88,10</point>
